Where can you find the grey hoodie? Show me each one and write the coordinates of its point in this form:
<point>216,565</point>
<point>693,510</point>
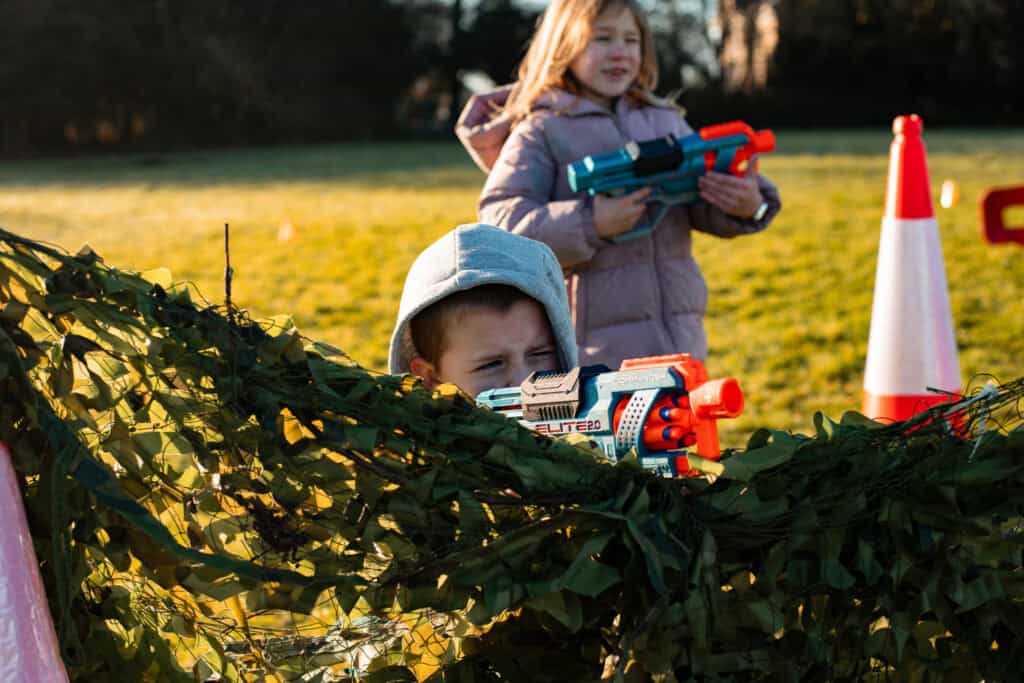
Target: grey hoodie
<point>479,254</point>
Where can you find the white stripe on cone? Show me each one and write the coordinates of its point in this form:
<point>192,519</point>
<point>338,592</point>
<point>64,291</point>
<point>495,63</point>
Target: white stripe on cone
<point>27,640</point>
<point>911,345</point>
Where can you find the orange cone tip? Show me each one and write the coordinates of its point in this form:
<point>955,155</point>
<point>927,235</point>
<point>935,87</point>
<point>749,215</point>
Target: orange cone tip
<point>911,346</point>
<point>27,638</point>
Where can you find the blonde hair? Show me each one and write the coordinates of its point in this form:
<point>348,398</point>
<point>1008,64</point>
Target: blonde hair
<point>562,34</point>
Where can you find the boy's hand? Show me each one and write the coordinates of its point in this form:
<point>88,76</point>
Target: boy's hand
<point>738,197</point>
<point>616,215</point>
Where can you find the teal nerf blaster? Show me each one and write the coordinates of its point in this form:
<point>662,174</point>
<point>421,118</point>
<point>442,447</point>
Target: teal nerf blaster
<point>657,407</point>
<point>670,165</point>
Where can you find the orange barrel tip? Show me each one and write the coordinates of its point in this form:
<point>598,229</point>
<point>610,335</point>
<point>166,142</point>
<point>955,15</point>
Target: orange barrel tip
<point>764,141</point>
<point>717,399</point>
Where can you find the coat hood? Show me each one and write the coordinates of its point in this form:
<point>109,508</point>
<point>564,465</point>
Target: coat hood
<point>483,127</point>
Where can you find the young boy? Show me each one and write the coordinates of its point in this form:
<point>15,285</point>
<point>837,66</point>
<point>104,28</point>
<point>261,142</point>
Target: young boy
<point>482,308</point>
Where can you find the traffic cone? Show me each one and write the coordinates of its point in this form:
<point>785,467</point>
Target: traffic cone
<point>912,361</point>
<point>27,638</point>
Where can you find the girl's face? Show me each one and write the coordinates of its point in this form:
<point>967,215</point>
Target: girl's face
<point>611,61</point>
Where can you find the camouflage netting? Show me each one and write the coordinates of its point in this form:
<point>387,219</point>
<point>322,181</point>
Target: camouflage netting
<point>216,499</point>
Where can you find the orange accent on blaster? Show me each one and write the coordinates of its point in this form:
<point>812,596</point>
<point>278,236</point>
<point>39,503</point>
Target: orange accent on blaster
<point>677,421</point>
<point>760,141</point>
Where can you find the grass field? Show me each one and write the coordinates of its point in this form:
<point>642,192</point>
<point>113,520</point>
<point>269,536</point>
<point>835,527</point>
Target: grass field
<point>789,310</point>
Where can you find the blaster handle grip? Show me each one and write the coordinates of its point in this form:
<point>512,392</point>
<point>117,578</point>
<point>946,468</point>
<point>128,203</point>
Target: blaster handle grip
<point>707,439</point>
<point>644,228</point>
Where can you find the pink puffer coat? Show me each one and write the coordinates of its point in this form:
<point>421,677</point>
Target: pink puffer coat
<point>642,297</point>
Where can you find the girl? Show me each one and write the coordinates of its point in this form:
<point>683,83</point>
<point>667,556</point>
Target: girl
<point>585,87</point>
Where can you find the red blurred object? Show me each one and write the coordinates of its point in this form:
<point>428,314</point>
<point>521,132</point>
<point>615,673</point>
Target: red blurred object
<point>993,206</point>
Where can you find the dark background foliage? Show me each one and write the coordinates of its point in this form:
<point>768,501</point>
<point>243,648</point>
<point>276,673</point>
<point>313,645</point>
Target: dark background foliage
<point>166,74</point>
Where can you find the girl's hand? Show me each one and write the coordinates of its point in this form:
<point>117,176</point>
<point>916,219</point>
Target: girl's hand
<point>738,197</point>
<point>616,215</point>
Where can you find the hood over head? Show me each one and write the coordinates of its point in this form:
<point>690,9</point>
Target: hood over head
<point>477,254</point>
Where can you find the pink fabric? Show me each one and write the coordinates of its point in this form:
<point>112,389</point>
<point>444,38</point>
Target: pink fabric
<point>27,638</point>
<point>637,298</point>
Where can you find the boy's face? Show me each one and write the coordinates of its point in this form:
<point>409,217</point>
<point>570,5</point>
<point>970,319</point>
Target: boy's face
<point>487,349</point>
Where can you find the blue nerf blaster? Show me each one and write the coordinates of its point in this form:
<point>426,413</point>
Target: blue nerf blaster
<point>670,165</point>
<point>658,406</point>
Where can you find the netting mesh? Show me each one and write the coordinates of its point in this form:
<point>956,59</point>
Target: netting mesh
<point>214,498</point>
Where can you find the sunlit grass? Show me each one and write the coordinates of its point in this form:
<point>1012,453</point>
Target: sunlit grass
<point>789,311</point>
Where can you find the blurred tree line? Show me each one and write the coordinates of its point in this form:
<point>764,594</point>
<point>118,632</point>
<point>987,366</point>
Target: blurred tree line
<point>160,74</point>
